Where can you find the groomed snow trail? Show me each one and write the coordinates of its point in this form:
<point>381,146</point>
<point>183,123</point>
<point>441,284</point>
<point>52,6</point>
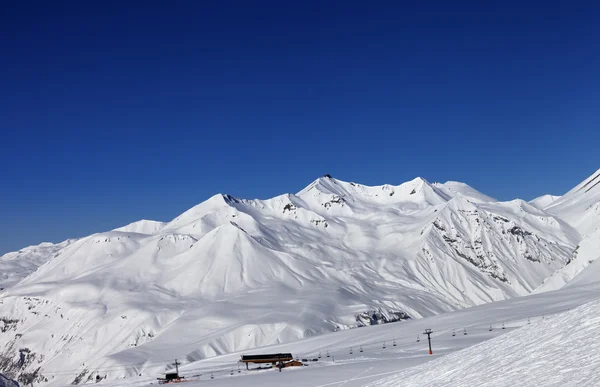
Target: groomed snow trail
<point>563,350</point>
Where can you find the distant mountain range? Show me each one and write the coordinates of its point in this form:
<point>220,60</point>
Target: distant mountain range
<point>232,274</point>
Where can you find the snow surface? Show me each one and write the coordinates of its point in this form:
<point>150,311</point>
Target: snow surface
<point>148,227</point>
<point>581,208</point>
<point>562,350</point>
<point>539,330</point>
<point>585,254</point>
<point>543,201</point>
<point>19,264</point>
<point>230,275</point>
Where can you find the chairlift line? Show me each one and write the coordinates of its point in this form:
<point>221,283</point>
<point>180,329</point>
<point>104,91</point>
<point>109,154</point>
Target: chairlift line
<point>329,354</point>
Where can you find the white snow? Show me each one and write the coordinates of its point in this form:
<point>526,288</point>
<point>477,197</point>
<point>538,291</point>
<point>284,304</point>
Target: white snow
<point>231,275</point>
<point>561,350</point>
<point>580,207</point>
<point>543,201</point>
<point>142,227</point>
<point>538,330</point>
<point>19,264</point>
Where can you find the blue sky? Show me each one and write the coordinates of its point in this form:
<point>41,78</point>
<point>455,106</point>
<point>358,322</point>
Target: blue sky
<point>115,111</point>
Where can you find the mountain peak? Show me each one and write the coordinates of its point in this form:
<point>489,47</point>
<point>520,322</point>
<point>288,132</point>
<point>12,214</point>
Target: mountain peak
<point>544,201</point>
<point>419,180</point>
<point>143,226</point>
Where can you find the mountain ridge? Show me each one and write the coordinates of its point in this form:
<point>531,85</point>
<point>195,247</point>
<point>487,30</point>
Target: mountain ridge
<point>290,266</point>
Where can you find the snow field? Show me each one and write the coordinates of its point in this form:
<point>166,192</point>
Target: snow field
<point>375,362</point>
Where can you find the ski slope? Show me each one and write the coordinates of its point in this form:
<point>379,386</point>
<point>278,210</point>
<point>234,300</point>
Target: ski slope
<point>553,330</point>
<point>559,351</point>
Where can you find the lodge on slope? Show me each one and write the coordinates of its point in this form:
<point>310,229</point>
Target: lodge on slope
<point>273,358</point>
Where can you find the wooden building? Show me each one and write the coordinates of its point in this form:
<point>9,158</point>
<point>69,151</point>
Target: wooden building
<point>272,358</point>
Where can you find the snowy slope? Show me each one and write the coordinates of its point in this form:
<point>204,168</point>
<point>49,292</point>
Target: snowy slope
<point>580,207</point>
<point>586,253</point>
<point>232,274</point>
<point>559,351</point>
<point>543,201</point>
<point>148,227</point>
<point>19,264</point>
<point>453,187</point>
<point>349,367</point>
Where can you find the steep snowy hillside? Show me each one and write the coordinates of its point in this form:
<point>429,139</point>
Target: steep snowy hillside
<point>581,208</point>
<point>560,351</point>
<point>586,253</point>
<point>231,274</point>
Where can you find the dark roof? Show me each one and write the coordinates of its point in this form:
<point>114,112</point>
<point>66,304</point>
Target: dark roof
<point>267,357</point>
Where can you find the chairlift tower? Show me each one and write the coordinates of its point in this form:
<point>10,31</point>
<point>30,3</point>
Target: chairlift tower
<point>176,364</point>
<point>428,332</point>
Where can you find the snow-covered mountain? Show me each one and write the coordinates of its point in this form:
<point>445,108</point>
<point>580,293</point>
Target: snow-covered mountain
<point>580,207</point>
<point>232,274</point>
